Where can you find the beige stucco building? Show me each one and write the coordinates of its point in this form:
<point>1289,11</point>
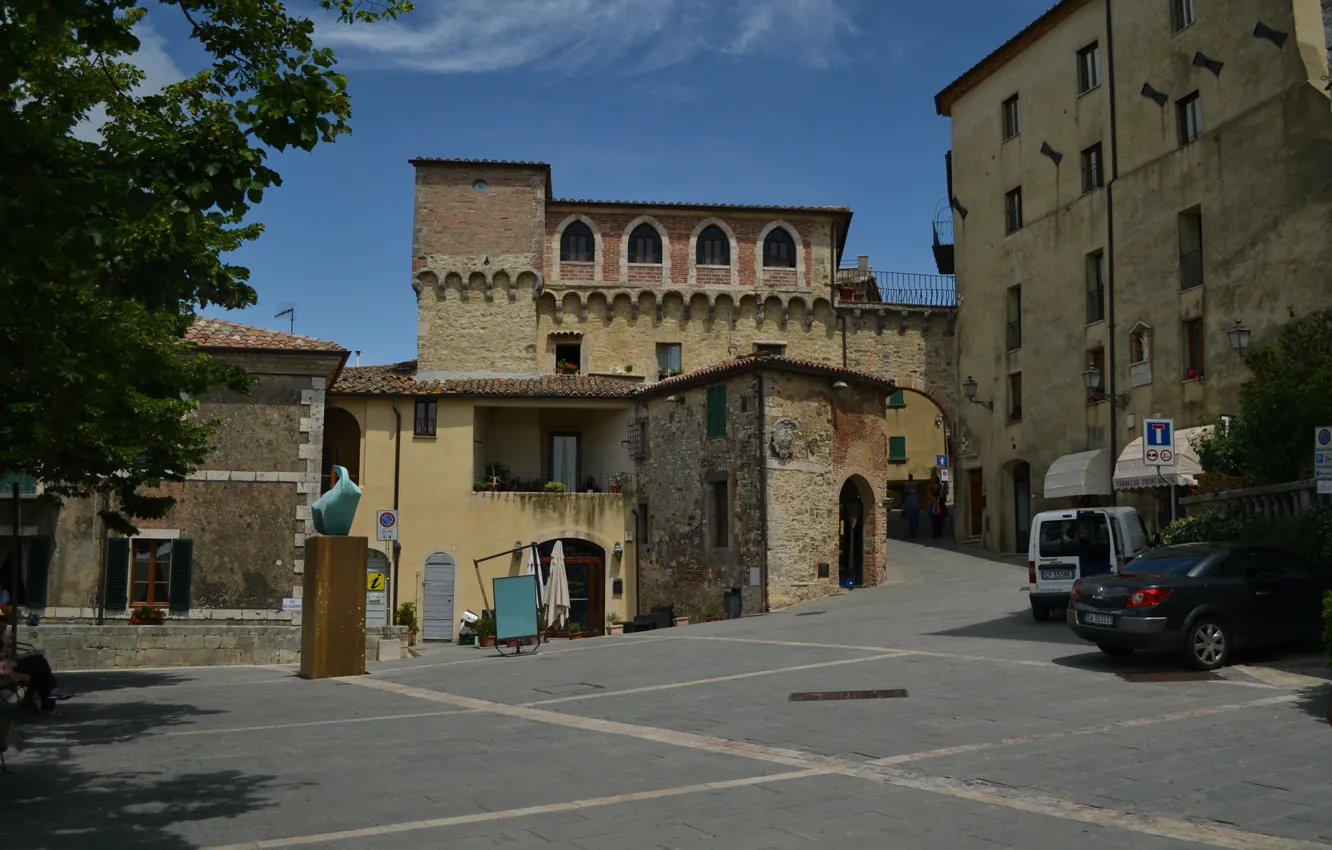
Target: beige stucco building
<point>1127,181</point>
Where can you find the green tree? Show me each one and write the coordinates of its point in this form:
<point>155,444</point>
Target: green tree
<point>107,247</point>
<point>1288,395</point>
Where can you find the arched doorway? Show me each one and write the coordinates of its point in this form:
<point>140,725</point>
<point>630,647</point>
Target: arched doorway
<point>342,445</point>
<point>585,566</point>
<point>920,432</point>
<point>851,511</point>
<point>1021,505</point>
<point>377,588</point>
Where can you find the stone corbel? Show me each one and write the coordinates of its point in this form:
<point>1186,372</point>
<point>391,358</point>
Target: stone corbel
<point>513,290</point>
<point>443,290</point>
<point>633,310</point>
<point>925,321</point>
<point>809,317</point>
<point>559,310</point>
<point>903,322</point>
<point>684,311</point>
<point>659,306</point>
<point>879,316</point>
<point>759,314</point>
<point>582,311</point>
<point>952,322</point>
<point>538,287</point>
<point>712,312</point>
<point>855,312</point>
<point>489,291</point>
<point>786,313</point>
<point>465,290</point>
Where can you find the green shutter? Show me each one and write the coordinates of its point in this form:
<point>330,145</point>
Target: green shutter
<point>27,484</point>
<point>117,573</point>
<point>182,573</point>
<point>39,562</point>
<point>897,448</point>
<point>717,411</point>
<point>897,399</point>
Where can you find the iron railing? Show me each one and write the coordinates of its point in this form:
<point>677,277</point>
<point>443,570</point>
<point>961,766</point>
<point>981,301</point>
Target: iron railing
<point>497,478</point>
<point>1015,335</point>
<point>1191,269</point>
<point>906,288</point>
<point>1095,304</point>
<point>943,231</point>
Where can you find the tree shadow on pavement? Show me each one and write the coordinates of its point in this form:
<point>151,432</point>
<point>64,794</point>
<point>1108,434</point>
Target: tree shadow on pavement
<point>98,682</point>
<point>94,724</point>
<point>1316,701</point>
<point>1016,626</point>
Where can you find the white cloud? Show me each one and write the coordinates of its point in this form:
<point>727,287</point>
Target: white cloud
<point>159,71</point>
<point>476,36</point>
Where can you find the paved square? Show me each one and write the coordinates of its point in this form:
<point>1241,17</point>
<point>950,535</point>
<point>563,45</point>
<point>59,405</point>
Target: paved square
<point>1013,734</point>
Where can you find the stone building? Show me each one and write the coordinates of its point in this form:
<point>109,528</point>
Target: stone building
<point>1128,182</point>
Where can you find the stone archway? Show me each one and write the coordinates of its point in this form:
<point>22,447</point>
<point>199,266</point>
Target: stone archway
<point>585,568</point>
<point>856,521</point>
<point>342,445</point>
<point>1017,511</point>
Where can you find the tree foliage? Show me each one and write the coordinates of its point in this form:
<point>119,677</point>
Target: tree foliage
<point>107,247</point>
<point>1287,396</point>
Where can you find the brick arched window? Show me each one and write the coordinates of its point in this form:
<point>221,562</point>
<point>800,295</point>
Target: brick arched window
<point>714,248</point>
<point>645,245</point>
<point>577,244</point>
<point>779,250</point>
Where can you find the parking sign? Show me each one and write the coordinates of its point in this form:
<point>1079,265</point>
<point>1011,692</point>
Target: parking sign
<point>1158,442</point>
<point>386,525</point>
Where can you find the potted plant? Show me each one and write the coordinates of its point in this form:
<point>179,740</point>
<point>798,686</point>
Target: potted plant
<point>675,372</point>
<point>711,615</point>
<point>478,486</point>
<point>147,615</point>
<point>616,481</point>
<point>485,631</point>
<point>680,621</point>
<point>407,617</point>
<point>554,486</point>
<point>612,627</point>
<point>565,367</point>
<point>575,630</point>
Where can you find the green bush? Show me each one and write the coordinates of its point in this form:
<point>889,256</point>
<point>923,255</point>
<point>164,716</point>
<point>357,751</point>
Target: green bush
<point>1308,535</point>
<point>407,616</point>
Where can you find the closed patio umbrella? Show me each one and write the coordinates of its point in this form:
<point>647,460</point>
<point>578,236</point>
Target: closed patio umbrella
<point>557,589</point>
<point>532,568</point>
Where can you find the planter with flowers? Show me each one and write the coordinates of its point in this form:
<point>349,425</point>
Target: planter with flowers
<point>566,367</point>
<point>147,615</point>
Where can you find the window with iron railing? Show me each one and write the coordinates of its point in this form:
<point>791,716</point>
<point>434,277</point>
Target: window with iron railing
<point>1013,210</point>
<point>1093,174</point>
<point>1015,397</point>
<point>1191,269</point>
<point>1095,287</point>
<point>1188,115</point>
<point>1014,336</point>
<point>1012,123</point>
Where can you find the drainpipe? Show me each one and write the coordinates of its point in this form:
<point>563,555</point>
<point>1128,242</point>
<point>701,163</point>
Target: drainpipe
<point>397,467</point>
<point>100,502</point>
<point>1112,369</point>
<point>763,494</point>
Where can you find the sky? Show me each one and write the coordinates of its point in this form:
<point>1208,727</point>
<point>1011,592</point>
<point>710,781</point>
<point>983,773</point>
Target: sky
<point>784,102</point>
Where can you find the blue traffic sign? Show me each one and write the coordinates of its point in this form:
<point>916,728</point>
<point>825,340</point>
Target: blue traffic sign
<point>1158,442</point>
<point>941,460</point>
<point>1323,437</point>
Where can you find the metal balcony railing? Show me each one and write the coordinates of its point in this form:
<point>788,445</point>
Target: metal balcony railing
<point>943,231</point>
<point>917,290</point>
<point>1095,305</point>
<point>1191,269</point>
<point>498,479</point>
<point>1015,335</point>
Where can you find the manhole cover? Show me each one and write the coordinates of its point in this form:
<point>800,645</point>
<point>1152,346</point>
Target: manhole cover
<point>1172,676</point>
<point>810,613</point>
<point>569,690</point>
<point>824,696</point>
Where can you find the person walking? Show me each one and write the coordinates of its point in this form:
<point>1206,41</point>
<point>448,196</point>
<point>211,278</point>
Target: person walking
<point>938,509</point>
<point>911,506</point>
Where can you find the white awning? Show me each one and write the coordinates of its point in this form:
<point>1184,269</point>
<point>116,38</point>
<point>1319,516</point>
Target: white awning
<point>1132,472</point>
<point>1080,474</point>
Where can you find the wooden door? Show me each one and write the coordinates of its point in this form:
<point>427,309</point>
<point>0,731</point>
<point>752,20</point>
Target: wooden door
<point>976,512</point>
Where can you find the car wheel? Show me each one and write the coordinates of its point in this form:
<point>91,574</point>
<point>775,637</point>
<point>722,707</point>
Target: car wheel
<point>1115,651</point>
<point>1040,611</point>
<point>1207,646</point>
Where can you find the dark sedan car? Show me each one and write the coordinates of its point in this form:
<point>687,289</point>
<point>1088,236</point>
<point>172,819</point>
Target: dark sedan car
<point>1202,600</point>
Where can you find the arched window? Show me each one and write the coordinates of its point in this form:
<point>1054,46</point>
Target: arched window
<point>714,248</point>
<point>779,250</point>
<point>577,244</point>
<point>645,245</point>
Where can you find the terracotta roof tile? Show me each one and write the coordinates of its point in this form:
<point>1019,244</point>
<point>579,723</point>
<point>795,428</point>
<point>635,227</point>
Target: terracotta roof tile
<point>751,363</point>
<point>219,333</point>
<point>399,379</point>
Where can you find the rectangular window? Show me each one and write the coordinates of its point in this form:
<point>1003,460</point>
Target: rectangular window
<point>1013,211</point>
<point>150,579</point>
<point>770,349</point>
<point>1011,118</point>
<point>568,358</point>
<point>1182,14</point>
<point>1089,68</point>
<point>1093,171</point>
<point>1014,318</point>
<point>1096,358</point>
<point>897,399</point>
<point>716,411</point>
<point>638,439</point>
<point>668,359</point>
<point>427,410</point>
<point>1095,287</point>
<point>1188,116</point>
<point>897,450</point>
<point>721,515</point>
<point>1015,397</point>
<point>1190,250</point>
<point>1193,349</point>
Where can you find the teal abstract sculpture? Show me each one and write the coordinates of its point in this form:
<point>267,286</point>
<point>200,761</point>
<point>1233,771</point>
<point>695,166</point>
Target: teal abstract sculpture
<point>333,512</point>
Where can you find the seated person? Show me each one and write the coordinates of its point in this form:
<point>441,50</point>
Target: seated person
<point>35,672</point>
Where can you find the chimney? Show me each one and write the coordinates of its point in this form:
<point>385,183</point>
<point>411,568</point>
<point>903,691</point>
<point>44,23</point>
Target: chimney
<point>358,357</point>
<point>862,262</point>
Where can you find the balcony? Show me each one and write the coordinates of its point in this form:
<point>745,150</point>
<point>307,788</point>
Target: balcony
<point>576,448</point>
<point>943,245</point>
<point>1190,269</point>
<point>29,487</point>
<point>861,286</point>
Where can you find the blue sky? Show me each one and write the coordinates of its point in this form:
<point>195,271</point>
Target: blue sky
<point>742,101</point>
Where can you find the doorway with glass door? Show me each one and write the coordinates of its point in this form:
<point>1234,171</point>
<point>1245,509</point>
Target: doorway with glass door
<point>563,452</point>
<point>585,568</point>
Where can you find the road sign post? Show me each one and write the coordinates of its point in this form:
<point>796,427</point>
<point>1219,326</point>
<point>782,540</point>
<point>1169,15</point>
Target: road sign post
<point>386,525</point>
<point>1323,459</point>
<point>1158,450</point>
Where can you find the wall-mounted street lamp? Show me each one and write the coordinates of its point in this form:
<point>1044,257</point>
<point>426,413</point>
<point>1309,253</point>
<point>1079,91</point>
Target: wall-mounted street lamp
<point>1239,335</point>
<point>618,550</point>
<point>1091,379</point>
<point>969,390</point>
<point>839,385</point>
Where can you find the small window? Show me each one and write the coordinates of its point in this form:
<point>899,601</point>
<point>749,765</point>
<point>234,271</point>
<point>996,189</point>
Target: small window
<point>638,439</point>
<point>1188,115</point>
<point>1013,210</point>
<point>1093,172</point>
<point>770,349</point>
<point>721,515</point>
<point>1014,318</point>
<point>1096,357</point>
<point>716,412</point>
<point>427,410</point>
<point>897,450</point>
<point>1182,14</point>
<point>1193,349</point>
<point>779,250</point>
<point>1012,121</point>
<point>568,358</point>
<point>150,582</point>
<point>897,399</point>
<point>645,245</point>
<point>1190,249</point>
<point>1015,397</point>
<point>714,247</point>
<point>1089,68</point>
<point>1095,287</point>
<point>577,244</point>
<point>668,359</point>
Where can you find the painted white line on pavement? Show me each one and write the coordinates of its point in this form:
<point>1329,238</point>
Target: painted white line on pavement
<point>921,652</point>
<point>527,811</point>
<point>194,732</point>
<point>1173,828</point>
<point>590,645</point>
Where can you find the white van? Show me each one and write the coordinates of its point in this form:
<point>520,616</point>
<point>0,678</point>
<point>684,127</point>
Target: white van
<point>1067,545</point>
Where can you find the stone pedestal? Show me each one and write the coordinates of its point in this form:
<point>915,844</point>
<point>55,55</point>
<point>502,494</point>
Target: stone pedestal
<point>333,607</point>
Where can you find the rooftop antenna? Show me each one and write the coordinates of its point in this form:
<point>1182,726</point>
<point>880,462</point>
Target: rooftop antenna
<point>288,310</point>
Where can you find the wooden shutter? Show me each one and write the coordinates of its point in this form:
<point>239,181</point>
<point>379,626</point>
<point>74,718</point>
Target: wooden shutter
<point>717,411</point>
<point>897,448</point>
<point>117,573</point>
<point>182,574</point>
<point>39,562</point>
<point>897,399</point>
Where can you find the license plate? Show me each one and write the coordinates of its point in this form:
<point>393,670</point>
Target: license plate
<point>1056,575</point>
<point>1098,619</point>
